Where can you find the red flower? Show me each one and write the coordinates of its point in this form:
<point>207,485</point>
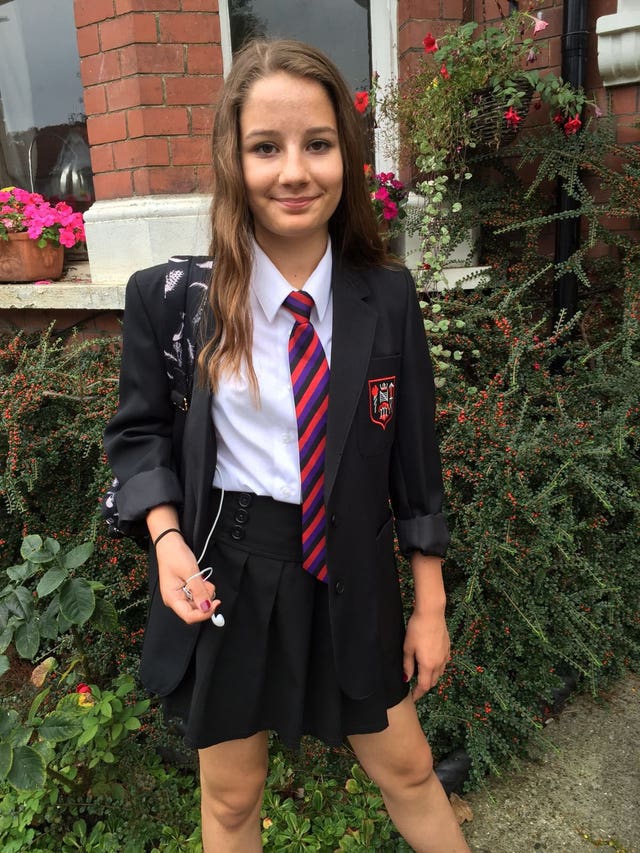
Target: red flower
<point>443,72</point>
<point>430,44</point>
<point>361,101</point>
<point>83,688</point>
<point>573,125</point>
<point>558,119</point>
<point>512,118</point>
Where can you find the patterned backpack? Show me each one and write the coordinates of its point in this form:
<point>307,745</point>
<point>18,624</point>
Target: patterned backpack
<point>185,288</point>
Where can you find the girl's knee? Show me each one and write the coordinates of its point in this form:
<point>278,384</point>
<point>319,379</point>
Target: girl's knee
<point>403,772</point>
<point>232,805</point>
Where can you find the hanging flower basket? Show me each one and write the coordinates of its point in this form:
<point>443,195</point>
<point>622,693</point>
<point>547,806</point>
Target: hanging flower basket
<point>490,129</point>
<point>22,259</point>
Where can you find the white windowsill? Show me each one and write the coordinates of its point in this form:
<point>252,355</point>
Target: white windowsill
<point>74,291</point>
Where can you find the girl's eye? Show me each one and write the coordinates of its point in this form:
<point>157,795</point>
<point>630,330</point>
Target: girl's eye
<point>319,145</point>
<point>265,148</point>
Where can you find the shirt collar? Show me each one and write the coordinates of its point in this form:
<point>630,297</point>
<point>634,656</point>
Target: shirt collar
<point>271,288</point>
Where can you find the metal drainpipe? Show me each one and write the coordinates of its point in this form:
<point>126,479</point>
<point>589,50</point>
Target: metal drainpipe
<point>574,62</point>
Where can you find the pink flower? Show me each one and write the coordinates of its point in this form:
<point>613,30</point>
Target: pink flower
<point>429,43</point>
<point>512,118</point>
<point>361,101</point>
<point>381,194</point>
<point>67,237</point>
<point>390,210</point>
<point>573,125</point>
<point>539,25</point>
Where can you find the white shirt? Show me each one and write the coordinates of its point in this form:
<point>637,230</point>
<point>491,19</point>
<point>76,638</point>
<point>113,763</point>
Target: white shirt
<point>258,447</point>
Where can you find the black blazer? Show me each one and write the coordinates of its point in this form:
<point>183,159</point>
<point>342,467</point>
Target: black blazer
<point>381,448</point>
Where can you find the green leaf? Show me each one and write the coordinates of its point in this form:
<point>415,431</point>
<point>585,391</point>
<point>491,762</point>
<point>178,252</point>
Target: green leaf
<point>27,639</point>
<point>34,550</point>
<point>8,720</point>
<point>89,733</point>
<point>59,727</point>
<point>39,699</point>
<point>6,760</point>
<point>52,545</point>
<point>21,573</point>
<point>77,600</point>
<point>20,603</point>
<point>105,617</point>
<point>5,638</point>
<point>27,770</point>
<point>29,545</point>
<point>49,620</point>
<point>51,581</point>
<point>4,664</point>
<point>77,556</point>
<point>132,724</point>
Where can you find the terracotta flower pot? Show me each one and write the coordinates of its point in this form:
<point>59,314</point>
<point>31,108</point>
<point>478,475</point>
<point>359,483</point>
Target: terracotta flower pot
<point>21,259</point>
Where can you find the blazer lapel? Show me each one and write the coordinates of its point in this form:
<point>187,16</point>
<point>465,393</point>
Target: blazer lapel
<point>354,325</point>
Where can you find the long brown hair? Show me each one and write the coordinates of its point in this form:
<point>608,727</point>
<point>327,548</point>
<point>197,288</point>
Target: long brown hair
<point>352,227</point>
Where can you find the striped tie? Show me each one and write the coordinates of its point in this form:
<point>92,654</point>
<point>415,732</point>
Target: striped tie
<point>310,381</point>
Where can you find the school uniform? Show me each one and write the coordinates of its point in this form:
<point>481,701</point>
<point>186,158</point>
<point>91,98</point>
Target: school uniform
<point>296,655</point>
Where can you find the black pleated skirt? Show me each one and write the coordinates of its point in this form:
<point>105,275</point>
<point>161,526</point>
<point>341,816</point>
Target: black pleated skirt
<point>271,667</point>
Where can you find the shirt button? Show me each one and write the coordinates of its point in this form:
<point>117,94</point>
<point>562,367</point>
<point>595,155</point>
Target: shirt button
<point>244,500</point>
<point>339,587</point>
<point>285,492</point>
<point>241,516</point>
<point>237,533</point>
<point>334,519</point>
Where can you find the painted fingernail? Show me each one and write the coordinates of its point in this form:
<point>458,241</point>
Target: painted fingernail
<point>205,605</point>
<point>405,677</point>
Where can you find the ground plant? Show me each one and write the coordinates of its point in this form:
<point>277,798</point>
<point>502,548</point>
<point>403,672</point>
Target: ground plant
<point>538,418</point>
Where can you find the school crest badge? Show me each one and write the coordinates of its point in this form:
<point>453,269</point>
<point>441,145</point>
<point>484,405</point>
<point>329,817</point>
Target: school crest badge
<point>382,394</point>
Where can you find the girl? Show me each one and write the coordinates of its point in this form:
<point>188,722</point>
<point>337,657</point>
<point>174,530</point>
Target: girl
<point>312,412</point>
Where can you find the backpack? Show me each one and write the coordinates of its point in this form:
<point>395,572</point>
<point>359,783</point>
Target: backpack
<point>185,288</point>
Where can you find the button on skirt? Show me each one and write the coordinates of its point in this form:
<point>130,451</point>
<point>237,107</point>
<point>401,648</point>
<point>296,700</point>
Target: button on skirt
<point>271,667</point>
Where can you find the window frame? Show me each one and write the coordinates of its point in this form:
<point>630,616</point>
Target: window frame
<point>384,62</point>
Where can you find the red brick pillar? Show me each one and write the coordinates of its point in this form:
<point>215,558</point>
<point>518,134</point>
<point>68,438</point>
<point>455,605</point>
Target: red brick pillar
<point>151,71</point>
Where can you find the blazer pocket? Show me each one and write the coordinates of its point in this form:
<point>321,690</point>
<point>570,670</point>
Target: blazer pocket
<point>376,413</point>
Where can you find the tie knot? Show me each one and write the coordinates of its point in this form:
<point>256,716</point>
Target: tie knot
<point>300,305</point>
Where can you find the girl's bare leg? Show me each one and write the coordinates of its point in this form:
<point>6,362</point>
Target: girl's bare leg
<point>232,777</point>
<point>399,761</point>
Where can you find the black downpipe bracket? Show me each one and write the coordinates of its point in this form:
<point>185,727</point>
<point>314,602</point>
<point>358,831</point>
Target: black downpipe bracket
<point>574,64</point>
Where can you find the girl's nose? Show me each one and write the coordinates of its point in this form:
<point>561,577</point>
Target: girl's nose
<point>294,170</point>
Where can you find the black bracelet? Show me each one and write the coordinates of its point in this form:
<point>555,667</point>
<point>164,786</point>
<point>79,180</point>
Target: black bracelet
<point>164,533</point>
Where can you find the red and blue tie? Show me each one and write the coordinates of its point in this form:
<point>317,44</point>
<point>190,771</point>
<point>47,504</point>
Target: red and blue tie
<point>310,381</point>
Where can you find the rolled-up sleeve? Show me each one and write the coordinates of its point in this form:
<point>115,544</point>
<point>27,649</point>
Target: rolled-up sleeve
<point>416,486</point>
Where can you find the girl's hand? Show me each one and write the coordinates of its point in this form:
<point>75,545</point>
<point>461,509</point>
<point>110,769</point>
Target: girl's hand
<point>176,564</point>
<point>426,644</point>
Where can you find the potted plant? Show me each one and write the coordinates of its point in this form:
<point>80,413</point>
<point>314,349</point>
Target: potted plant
<point>33,235</point>
<point>467,96</point>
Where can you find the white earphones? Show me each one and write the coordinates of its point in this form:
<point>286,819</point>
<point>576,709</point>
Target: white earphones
<point>205,574</point>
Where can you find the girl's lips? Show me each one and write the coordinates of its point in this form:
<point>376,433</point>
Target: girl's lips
<point>296,203</point>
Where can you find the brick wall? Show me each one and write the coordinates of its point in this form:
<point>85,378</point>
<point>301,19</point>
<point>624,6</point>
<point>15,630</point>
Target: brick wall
<point>151,70</point>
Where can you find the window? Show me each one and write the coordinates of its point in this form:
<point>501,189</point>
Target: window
<point>360,36</point>
<point>43,140</point>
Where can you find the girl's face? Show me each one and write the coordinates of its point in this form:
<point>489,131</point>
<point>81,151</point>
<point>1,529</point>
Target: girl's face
<point>291,160</point>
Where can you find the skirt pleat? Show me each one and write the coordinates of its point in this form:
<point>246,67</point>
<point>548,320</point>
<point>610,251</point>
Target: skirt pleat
<point>271,667</point>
